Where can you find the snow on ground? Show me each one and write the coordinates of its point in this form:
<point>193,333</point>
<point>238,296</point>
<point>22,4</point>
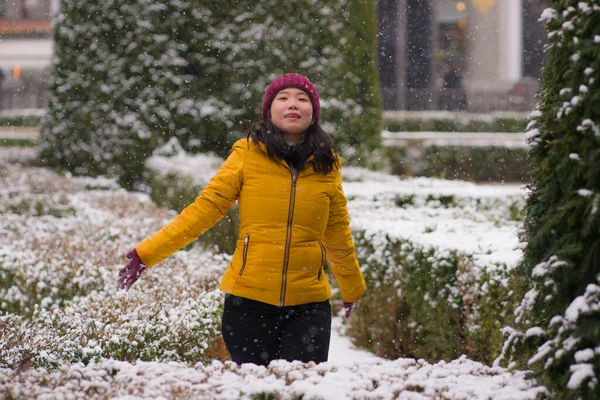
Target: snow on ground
<point>350,372</point>
<point>341,349</point>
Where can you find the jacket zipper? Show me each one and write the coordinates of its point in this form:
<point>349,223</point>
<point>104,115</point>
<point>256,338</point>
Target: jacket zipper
<point>288,239</point>
<point>323,261</point>
<point>245,253</point>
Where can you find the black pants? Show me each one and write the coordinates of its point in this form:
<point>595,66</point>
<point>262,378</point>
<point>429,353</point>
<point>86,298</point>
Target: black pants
<point>258,333</point>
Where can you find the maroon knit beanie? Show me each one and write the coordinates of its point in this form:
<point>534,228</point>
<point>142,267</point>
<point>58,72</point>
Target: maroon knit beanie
<point>296,81</point>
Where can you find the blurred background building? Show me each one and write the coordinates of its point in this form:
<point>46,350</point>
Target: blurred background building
<point>473,55</point>
<point>25,51</point>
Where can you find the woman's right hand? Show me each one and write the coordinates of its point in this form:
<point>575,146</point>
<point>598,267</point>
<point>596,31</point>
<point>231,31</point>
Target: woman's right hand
<point>132,271</point>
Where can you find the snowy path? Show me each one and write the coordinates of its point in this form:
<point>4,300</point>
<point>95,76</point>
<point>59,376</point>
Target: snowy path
<point>341,350</point>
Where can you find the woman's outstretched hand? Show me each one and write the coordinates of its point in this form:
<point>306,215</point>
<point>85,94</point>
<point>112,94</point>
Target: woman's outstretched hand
<point>348,307</point>
<point>132,271</point>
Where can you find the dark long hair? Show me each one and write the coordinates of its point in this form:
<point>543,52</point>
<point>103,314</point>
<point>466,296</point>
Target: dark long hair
<point>316,143</point>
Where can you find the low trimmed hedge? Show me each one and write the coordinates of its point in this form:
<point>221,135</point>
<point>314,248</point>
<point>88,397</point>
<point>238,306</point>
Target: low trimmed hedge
<point>64,244</point>
<point>429,303</point>
<point>446,121</point>
<point>479,164</point>
<point>393,121</point>
<point>17,142</point>
<point>28,117</point>
<point>125,326</point>
<point>421,302</point>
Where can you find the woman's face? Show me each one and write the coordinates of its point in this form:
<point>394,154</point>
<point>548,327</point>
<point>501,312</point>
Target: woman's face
<point>292,113</point>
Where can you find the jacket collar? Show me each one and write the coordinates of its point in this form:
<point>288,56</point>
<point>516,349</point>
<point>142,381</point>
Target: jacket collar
<point>263,148</point>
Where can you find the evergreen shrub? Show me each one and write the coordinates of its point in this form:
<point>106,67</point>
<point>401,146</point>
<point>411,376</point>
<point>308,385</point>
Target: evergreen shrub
<point>556,330</point>
<point>128,75</point>
<point>165,326</point>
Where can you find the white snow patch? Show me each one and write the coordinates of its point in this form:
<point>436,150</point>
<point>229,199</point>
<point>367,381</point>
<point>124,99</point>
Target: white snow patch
<point>548,15</point>
<point>580,373</point>
<point>584,355</point>
<point>585,192</point>
<point>535,331</point>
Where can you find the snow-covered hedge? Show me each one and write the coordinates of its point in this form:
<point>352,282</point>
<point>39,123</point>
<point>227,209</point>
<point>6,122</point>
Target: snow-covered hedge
<point>22,117</point>
<point>470,163</point>
<point>91,340</point>
<point>165,323</point>
<point>128,75</point>
<point>430,303</point>
<point>447,121</point>
<point>439,259</point>
<point>379,379</point>
<point>556,329</point>
<point>64,241</point>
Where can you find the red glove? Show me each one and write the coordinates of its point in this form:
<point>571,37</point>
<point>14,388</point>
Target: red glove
<point>348,307</point>
<point>132,271</point>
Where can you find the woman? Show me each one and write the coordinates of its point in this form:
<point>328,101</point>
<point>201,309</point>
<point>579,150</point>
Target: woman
<point>293,219</point>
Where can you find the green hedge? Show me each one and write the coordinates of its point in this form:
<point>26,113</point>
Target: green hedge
<point>556,331</point>
<point>479,164</point>
<point>59,263</point>
<point>20,120</point>
<point>444,121</point>
<point>12,142</point>
<point>428,303</point>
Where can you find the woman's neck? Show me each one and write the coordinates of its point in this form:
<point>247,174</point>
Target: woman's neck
<point>293,138</point>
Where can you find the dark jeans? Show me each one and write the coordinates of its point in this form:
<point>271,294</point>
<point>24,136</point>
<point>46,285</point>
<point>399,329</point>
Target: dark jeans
<point>258,333</point>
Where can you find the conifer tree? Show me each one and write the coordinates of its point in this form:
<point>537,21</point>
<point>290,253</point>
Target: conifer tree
<point>129,74</point>
<point>557,327</point>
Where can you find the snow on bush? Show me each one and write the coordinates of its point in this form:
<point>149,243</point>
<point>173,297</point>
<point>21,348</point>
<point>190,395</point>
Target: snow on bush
<point>129,75</point>
<point>72,334</point>
<point>438,257</point>
<point>64,241</point>
<point>555,331</point>
<point>379,379</point>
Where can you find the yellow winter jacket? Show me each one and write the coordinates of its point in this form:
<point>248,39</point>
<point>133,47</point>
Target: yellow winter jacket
<point>290,227</point>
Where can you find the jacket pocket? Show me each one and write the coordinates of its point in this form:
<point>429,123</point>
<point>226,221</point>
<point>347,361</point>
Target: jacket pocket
<point>245,253</point>
<point>323,261</point>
